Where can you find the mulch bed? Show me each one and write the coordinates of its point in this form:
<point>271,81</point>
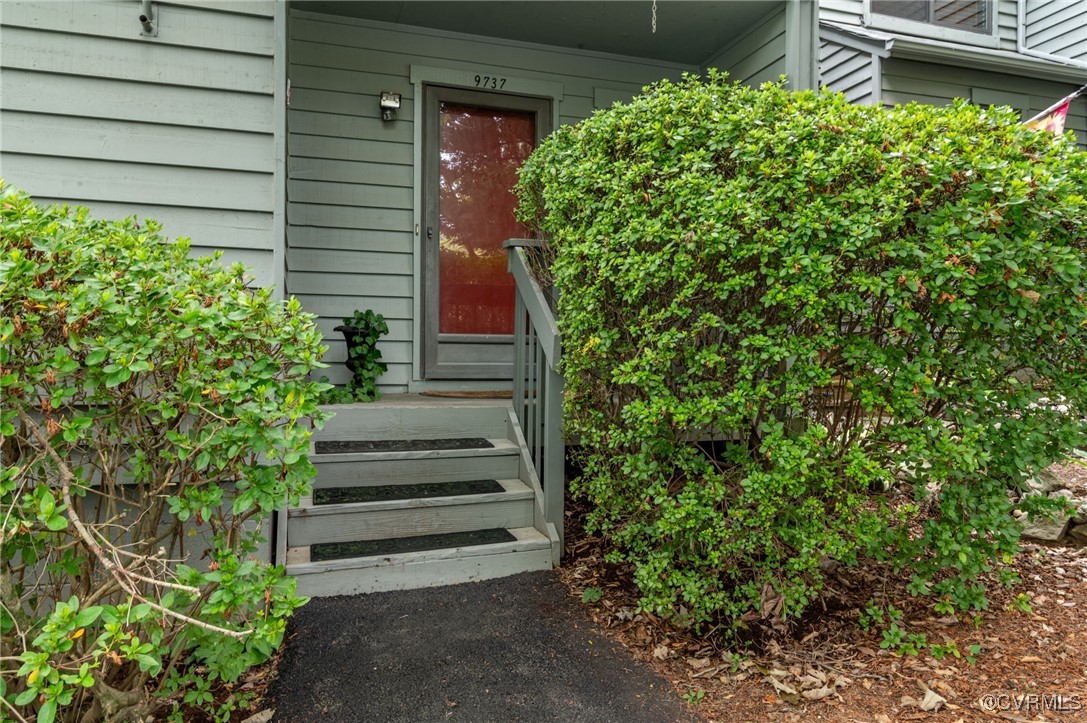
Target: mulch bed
<point>1027,659</point>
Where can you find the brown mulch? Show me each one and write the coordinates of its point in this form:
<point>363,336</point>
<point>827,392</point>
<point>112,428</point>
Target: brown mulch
<point>828,668</point>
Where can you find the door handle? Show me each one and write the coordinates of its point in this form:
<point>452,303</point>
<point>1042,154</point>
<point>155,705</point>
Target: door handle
<point>429,232</point>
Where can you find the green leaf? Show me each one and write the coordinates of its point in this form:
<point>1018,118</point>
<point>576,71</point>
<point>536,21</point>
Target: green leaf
<point>48,712</point>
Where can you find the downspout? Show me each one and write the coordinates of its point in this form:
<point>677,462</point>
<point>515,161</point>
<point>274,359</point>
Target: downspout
<point>147,16</point>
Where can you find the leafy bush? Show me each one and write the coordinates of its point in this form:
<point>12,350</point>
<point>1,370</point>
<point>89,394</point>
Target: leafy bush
<point>153,411</point>
<point>866,301</point>
<point>362,330</point>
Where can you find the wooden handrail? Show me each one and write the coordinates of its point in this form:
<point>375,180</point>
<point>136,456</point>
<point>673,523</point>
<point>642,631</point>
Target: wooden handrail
<point>537,384</point>
<point>535,304</point>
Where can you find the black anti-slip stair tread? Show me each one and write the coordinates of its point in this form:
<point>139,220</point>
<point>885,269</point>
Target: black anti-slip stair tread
<point>325,551</point>
<point>400,445</point>
<point>347,495</point>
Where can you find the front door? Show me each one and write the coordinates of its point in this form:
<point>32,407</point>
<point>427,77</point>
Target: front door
<point>473,144</point>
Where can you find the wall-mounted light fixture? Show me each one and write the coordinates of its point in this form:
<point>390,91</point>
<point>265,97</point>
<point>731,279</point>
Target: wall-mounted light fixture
<point>390,103</point>
<point>147,17</point>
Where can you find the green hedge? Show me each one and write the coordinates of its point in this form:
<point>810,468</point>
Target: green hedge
<point>884,307</point>
<point>153,410</point>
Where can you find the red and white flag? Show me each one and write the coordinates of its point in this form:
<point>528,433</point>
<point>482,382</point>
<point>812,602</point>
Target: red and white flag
<point>1052,118</point>
<point>1053,121</point>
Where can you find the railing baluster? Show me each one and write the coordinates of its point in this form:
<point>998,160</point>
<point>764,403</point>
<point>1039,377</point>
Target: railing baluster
<point>520,317</point>
<point>538,416</point>
<point>529,422</point>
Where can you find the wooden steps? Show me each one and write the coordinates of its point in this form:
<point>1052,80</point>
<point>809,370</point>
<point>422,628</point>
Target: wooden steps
<point>506,508</point>
<point>401,518</point>
<point>531,550</point>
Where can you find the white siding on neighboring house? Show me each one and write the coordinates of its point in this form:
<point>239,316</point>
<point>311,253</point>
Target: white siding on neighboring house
<point>847,70</point>
<point>908,80</point>
<point>1056,28</point>
<point>758,56</point>
<point>351,215</point>
<point>178,127</point>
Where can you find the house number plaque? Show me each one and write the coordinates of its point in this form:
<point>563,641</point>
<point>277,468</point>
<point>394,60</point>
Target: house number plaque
<point>490,81</point>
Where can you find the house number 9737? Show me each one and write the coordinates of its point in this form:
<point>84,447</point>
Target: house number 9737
<point>490,81</point>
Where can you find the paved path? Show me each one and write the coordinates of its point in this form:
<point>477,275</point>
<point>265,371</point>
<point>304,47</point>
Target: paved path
<point>514,649</point>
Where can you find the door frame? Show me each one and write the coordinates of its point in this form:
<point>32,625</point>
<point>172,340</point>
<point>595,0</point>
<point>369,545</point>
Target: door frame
<point>433,367</point>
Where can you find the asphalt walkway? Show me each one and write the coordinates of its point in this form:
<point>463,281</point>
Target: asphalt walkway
<point>514,649</point>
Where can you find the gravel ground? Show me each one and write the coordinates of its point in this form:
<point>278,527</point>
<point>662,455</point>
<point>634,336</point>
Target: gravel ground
<point>513,649</point>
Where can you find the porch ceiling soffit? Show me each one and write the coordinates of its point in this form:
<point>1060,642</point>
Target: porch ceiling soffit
<point>688,31</point>
<point>939,51</point>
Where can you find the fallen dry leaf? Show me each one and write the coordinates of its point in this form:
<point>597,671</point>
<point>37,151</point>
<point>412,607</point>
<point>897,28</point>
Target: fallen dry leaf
<point>817,693</point>
<point>781,687</point>
<point>932,701</point>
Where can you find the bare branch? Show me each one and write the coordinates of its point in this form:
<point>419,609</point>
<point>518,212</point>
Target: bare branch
<point>121,574</point>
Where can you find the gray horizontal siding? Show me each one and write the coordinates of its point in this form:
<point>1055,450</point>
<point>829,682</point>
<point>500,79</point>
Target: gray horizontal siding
<point>117,140</point>
<point>759,56</point>
<point>351,215</point>
<point>1007,24</point>
<point>178,127</point>
<point>843,12</point>
<point>1057,27</point>
<point>142,60</point>
<point>848,71</point>
<point>135,102</point>
<point>189,26</point>
<point>905,81</point>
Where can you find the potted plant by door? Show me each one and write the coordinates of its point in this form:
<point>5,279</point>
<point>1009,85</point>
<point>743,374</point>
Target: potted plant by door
<point>362,331</point>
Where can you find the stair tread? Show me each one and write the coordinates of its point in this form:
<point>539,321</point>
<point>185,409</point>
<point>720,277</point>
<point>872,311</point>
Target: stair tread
<point>498,448</point>
<point>514,489</point>
<point>527,539</point>
<point>403,491</point>
<point>370,446</point>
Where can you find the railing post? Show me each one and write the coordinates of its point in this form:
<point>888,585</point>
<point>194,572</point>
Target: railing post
<point>554,449</point>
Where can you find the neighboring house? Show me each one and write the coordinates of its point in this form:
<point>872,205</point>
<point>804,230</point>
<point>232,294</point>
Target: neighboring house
<point>357,155</point>
<point>1025,54</point>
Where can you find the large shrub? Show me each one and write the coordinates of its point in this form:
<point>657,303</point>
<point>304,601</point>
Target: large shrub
<point>866,300</point>
<point>154,410</point>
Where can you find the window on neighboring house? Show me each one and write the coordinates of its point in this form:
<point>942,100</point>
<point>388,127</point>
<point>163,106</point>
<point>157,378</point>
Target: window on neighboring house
<point>975,16</point>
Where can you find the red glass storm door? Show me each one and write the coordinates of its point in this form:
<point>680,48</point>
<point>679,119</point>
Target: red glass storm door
<point>475,145</point>
<point>480,151</point>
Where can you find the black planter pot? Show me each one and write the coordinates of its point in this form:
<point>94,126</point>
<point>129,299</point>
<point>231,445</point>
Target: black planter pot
<point>351,333</point>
